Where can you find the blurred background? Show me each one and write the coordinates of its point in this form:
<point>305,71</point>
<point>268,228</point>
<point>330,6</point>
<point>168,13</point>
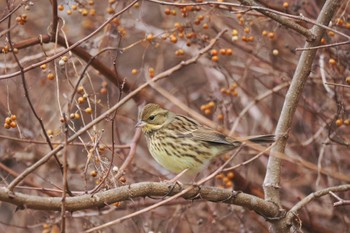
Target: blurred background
<point>239,85</point>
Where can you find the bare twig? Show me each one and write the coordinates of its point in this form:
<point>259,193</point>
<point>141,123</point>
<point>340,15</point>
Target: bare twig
<point>76,44</point>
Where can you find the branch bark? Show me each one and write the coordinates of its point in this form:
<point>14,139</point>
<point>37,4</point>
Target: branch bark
<point>273,173</point>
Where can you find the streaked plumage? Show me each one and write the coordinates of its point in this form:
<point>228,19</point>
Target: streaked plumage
<point>178,142</point>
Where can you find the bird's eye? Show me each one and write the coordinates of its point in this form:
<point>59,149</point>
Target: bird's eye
<point>151,117</point>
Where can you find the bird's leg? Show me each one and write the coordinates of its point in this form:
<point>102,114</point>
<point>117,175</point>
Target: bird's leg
<point>174,181</point>
<point>176,178</point>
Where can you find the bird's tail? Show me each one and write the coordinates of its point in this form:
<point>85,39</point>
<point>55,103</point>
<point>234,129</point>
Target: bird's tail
<point>262,138</point>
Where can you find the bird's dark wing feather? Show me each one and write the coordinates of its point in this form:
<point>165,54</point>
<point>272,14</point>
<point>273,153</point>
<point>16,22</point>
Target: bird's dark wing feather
<point>208,135</point>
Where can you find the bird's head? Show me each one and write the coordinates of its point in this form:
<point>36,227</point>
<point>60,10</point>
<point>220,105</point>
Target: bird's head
<point>153,117</point>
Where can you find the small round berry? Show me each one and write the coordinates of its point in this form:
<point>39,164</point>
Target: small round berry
<point>347,122</point>
<point>13,117</point>
<point>50,76</point>
<point>347,80</point>
<point>215,58</point>
<point>13,124</point>
<point>339,122</point>
<point>93,173</point>
<point>88,110</point>
<point>60,7</point>
<point>81,100</point>
<point>332,61</point>
<point>234,32</point>
<point>220,117</point>
<point>134,71</point>
<point>275,52</point>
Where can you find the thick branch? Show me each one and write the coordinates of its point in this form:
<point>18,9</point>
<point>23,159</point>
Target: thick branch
<point>132,191</point>
<point>272,178</point>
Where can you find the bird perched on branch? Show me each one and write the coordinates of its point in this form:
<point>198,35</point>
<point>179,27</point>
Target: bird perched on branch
<point>179,142</point>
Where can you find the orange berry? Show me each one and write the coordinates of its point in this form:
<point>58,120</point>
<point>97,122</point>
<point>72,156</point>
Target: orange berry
<point>88,110</point>
<point>331,34</point>
<point>235,93</point>
<point>229,52</point>
<point>347,122</point>
<point>339,122</point>
<point>220,176</point>
<point>81,100</point>
<point>347,80</point>
<point>246,30</point>
<point>8,120</point>
<point>332,61</point>
<point>7,126</point>
<point>149,37</point>
<point>205,26</point>
<point>264,33</point>
<point>225,179</point>
<point>179,52</point>
<point>229,184</point>
<point>214,52</point>
<point>230,175</point>
<point>13,117</point>
<point>74,7</point>
<point>116,204</point>
<point>323,40</point>
<point>215,58</point>
<point>43,66</point>
<point>13,124</point>
<point>285,5</point>
<point>234,32</point>
<point>211,104</point>
<point>84,12</point>
<point>110,10</point>
<point>50,76</point>
<point>271,35</point>
<point>60,7</point>
<point>207,111</point>
<point>134,71</point>
<point>80,89</point>
<point>167,11</point>
<point>103,90</point>
<point>93,173</point>
<point>234,85</point>
<point>76,116</point>
<point>173,39</point>
<point>339,21</point>
<point>222,51</point>
<point>220,117</point>
<point>200,17</point>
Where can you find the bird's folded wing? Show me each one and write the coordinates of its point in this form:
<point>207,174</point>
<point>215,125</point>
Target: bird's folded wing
<point>207,135</point>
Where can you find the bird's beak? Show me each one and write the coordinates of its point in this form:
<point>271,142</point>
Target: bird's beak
<point>140,124</point>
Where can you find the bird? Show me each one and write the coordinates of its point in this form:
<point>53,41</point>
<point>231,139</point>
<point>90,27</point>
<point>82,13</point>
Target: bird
<point>179,143</point>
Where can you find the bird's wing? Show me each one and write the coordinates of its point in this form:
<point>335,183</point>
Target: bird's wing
<point>206,134</point>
